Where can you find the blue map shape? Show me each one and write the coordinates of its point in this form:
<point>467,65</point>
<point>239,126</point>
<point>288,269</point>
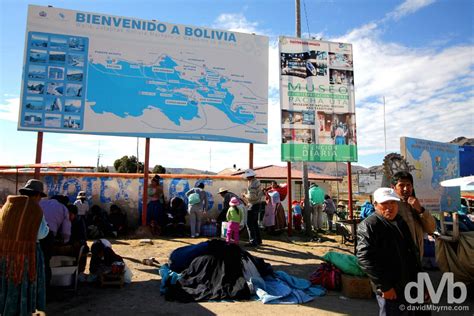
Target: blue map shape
<point>450,195</point>
<point>117,91</point>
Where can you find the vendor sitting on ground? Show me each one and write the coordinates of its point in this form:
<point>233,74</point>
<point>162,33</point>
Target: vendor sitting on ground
<point>102,257</point>
<point>118,219</point>
<point>77,240</point>
<point>176,217</point>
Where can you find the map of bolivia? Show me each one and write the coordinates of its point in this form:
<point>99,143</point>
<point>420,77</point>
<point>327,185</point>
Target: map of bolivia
<point>135,88</point>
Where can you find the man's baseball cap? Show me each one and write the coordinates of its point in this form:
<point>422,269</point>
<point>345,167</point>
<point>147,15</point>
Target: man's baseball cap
<point>382,195</point>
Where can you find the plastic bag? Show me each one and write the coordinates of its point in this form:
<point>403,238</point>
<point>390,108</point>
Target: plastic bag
<point>127,275</point>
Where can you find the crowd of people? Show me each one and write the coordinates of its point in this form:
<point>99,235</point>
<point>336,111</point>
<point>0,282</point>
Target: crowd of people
<point>34,228</point>
<point>257,208</point>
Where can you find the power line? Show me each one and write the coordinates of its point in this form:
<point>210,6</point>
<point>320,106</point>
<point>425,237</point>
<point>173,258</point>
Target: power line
<point>306,16</point>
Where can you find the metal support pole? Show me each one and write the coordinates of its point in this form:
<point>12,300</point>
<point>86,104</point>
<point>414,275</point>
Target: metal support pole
<point>39,151</point>
<point>349,190</point>
<point>250,156</point>
<point>145,181</point>
<point>351,211</point>
<point>288,188</point>
<point>307,207</point>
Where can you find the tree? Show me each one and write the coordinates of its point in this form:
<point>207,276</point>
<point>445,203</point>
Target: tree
<point>159,169</point>
<point>102,169</point>
<point>128,165</point>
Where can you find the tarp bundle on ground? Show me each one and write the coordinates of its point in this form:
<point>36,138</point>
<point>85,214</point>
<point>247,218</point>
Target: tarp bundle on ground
<point>215,270</point>
<point>457,257</point>
<point>348,264</point>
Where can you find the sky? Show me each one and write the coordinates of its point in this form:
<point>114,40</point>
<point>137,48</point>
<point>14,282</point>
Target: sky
<point>417,54</point>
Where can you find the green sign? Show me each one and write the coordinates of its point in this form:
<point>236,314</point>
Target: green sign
<point>318,153</point>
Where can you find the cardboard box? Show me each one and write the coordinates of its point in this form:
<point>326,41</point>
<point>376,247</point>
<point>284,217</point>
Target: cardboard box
<point>356,287</point>
<point>63,276</point>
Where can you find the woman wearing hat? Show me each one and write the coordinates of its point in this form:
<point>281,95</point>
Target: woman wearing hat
<point>234,218</point>
<point>227,196</point>
<point>22,224</point>
<point>82,206</point>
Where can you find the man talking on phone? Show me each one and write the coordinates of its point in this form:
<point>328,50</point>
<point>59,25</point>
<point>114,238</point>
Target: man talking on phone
<point>419,220</point>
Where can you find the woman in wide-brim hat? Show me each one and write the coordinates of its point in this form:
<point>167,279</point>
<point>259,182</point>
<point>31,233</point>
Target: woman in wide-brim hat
<point>22,275</point>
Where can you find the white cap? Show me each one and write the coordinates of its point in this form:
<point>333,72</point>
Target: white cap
<point>249,173</point>
<point>385,194</point>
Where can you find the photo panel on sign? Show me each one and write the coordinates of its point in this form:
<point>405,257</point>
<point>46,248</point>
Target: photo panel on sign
<point>38,56</point>
<point>39,41</point>
<point>55,73</point>
<point>72,121</point>
<point>58,43</point>
<point>55,88</point>
<point>72,106</point>
<point>57,57</point>
<point>34,103</point>
<point>340,60</point>
<point>304,64</point>
<point>53,104</point>
<point>75,74</point>
<point>77,44</point>
<point>75,60</point>
<point>35,87</point>
<point>337,76</point>
<point>33,119</point>
<point>298,135</point>
<point>52,120</point>
<point>36,71</point>
<point>298,117</point>
<point>74,90</point>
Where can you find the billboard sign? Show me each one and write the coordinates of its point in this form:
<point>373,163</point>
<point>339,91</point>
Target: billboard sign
<point>317,101</point>
<point>433,162</point>
<point>100,74</point>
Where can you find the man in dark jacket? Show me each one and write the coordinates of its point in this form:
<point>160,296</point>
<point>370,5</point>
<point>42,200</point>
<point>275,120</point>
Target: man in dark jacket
<point>387,253</point>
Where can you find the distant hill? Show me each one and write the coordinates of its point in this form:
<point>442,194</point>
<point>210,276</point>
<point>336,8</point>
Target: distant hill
<point>463,141</point>
<point>187,171</point>
<point>170,170</point>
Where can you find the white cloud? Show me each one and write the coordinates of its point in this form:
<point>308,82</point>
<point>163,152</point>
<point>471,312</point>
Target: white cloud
<point>408,7</point>
<point>9,110</point>
<point>236,22</point>
<point>428,92</point>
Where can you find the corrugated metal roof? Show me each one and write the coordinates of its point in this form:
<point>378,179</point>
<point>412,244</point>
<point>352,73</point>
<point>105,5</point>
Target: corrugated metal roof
<point>280,172</point>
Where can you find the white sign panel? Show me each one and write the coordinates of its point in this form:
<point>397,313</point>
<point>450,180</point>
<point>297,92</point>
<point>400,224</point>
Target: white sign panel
<point>99,74</point>
<point>317,101</point>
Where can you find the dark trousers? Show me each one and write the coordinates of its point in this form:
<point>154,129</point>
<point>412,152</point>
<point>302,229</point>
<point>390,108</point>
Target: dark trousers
<point>47,245</point>
<point>252,225</point>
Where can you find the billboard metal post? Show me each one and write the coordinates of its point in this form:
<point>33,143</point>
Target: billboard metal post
<point>39,151</point>
<point>250,156</point>
<point>145,181</point>
<point>288,187</point>
<point>349,189</point>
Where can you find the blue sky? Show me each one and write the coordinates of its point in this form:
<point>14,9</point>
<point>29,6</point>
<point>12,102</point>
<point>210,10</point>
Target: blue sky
<point>419,54</point>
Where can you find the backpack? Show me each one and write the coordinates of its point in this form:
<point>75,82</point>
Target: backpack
<point>194,198</point>
<point>328,276</point>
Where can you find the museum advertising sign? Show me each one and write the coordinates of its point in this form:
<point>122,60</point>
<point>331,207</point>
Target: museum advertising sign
<point>317,101</point>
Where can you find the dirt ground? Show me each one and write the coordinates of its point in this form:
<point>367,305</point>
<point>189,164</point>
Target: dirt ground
<point>295,255</point>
